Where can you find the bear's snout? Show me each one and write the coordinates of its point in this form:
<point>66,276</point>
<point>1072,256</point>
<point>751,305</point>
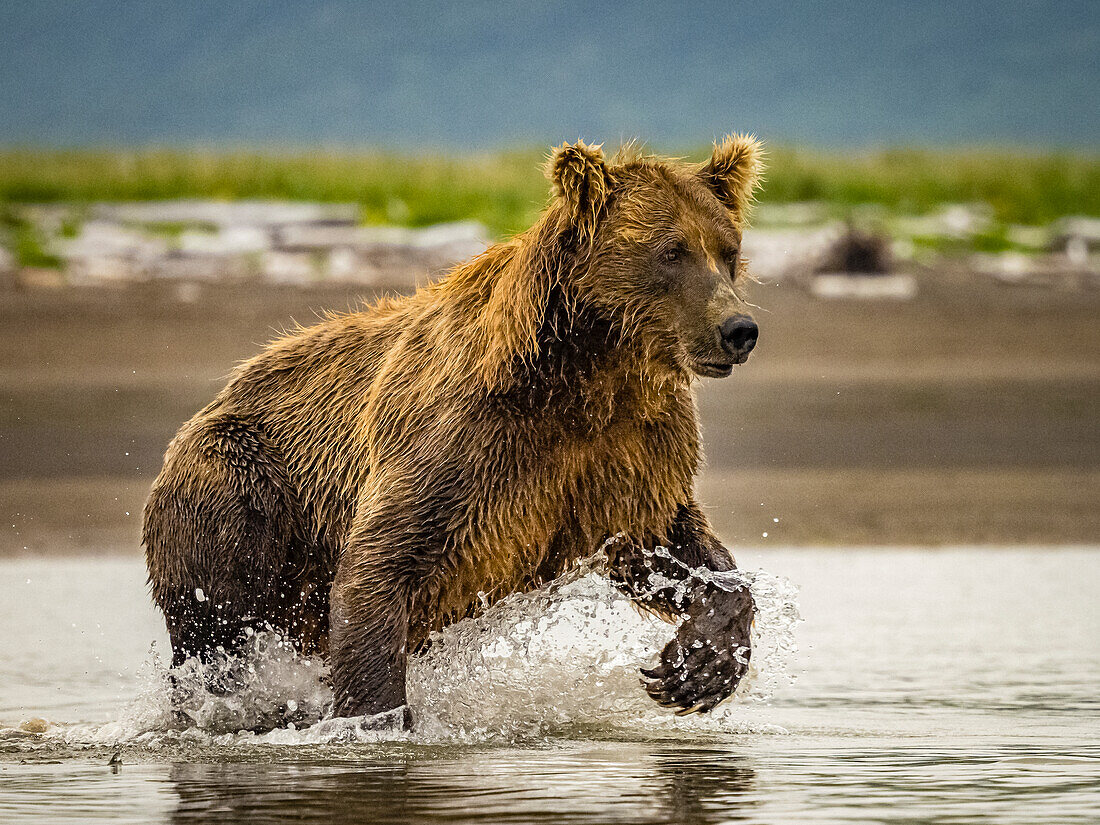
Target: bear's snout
<point>739,334</point>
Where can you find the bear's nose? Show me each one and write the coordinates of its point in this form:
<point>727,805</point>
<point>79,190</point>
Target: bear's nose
<point>739,334</point>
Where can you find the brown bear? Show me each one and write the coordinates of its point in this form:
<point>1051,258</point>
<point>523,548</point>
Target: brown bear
<point>368,480</point>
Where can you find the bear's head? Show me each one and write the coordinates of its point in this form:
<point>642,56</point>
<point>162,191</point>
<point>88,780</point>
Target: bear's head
<point>657,245</point>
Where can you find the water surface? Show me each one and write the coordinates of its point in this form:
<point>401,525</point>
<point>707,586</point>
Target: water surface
<point>928,686</point>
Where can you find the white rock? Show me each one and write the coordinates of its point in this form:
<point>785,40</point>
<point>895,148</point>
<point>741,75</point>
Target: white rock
<point>903,249</point>
<point>458,233</point>
<point>1077,237</point>
<point>291,268</point>
<point>1078,227</point>
<point>102,239</point>
<point>304,238</point>
<point>348,266</point>
<point>229,240</point>
<point>839,285</point>
<point>776,253</point>
<point>1035,237</point>
<point>104,270</point>
<point>952,221</point>
<point>204,268</point>
<point>465,236</point>
<point>1077,251</point>
<point>1008,267</point>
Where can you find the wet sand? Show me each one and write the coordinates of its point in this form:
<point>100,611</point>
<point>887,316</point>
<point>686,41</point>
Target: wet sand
<point>967,415</point>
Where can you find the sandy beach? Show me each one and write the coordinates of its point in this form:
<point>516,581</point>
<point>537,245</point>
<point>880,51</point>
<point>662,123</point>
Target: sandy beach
<point>966,415</point>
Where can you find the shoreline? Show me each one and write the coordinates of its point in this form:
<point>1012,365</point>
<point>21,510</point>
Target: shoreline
<point>821,509</point>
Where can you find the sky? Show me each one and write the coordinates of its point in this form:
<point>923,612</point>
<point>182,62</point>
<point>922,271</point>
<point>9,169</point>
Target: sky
<point>489,74</point>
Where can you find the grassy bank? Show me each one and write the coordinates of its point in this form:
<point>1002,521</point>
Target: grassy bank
<point>505,190</point>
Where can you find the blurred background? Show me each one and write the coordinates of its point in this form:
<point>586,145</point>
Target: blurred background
<point>178,182</point>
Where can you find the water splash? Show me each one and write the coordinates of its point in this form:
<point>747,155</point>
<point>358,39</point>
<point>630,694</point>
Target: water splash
<point>567,656</point>
<point>562,659</point>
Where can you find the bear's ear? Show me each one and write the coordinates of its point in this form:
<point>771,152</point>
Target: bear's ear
<point>734,172</point>
<point>580,178</point>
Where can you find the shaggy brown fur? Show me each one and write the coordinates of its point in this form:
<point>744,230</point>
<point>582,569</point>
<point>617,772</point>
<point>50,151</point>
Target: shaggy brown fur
<point>360,482</point>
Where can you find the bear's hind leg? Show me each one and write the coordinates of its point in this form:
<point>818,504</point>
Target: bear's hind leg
<point>220,531</point>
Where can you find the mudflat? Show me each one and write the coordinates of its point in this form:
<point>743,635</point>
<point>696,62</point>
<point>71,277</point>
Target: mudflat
<point>966,415</point>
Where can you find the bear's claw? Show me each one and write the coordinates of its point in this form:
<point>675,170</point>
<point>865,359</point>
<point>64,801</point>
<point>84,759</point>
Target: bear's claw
<point>706,660</point>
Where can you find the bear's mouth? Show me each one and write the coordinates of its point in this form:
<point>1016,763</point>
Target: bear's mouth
<point>710,369</point>
<point>718,369</point>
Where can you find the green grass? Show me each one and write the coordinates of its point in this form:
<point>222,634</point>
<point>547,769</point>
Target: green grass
<point>25,241</point>
<point>506,190</point>
<point>1026,188</point>
<point>503,191</point>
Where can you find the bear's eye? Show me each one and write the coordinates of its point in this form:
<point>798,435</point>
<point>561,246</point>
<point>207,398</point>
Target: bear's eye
<point>673,255</point>
<point>733,259</point>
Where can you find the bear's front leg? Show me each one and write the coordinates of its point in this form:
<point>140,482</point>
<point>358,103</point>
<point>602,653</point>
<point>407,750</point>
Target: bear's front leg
<point>368,638</point>
<point>693,578</point>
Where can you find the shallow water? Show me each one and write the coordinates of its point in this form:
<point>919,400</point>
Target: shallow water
<point>928,686</point>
